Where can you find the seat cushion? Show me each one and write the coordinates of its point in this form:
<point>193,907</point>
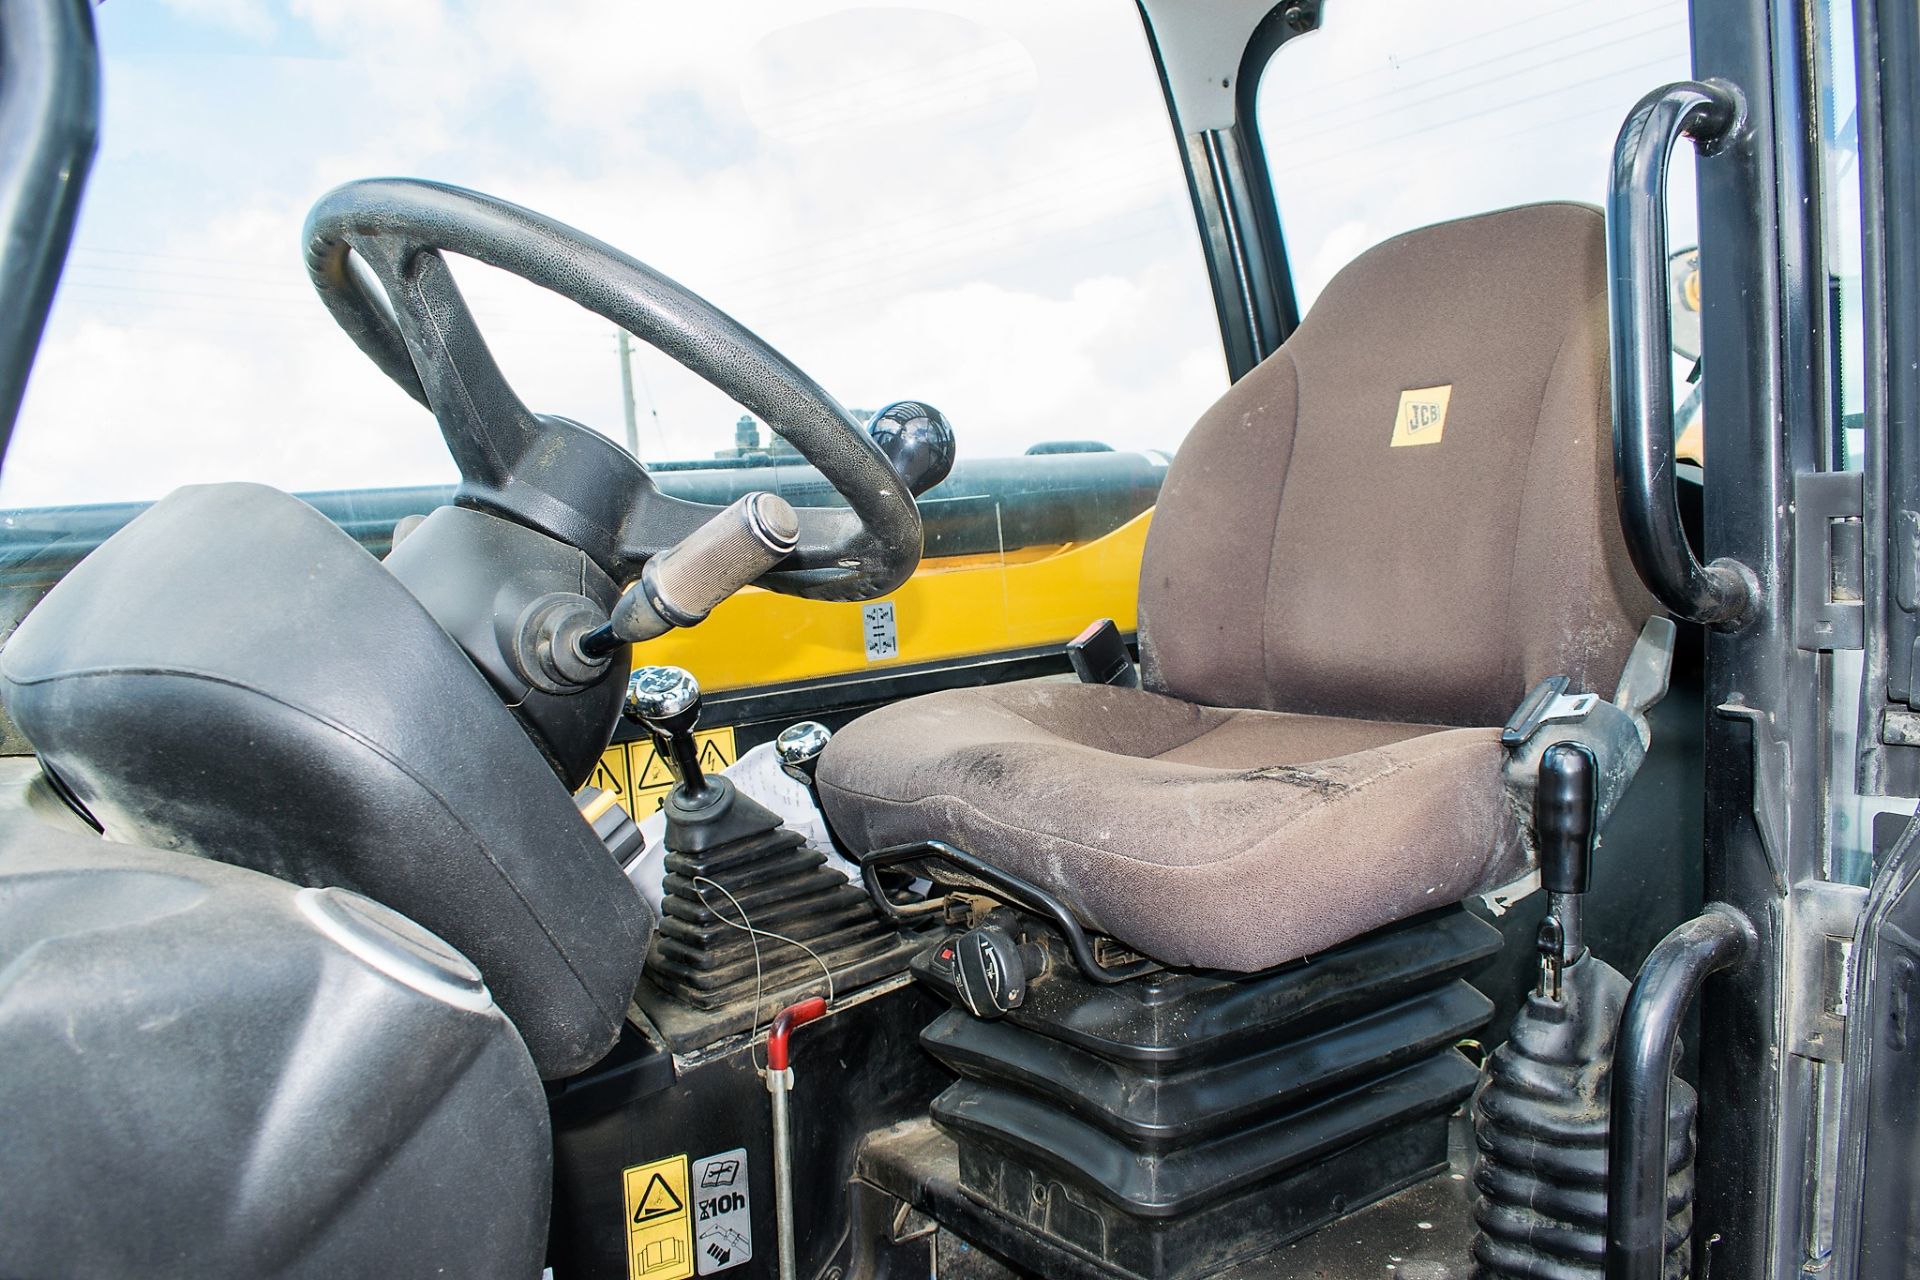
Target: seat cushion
<point>1201,836</point>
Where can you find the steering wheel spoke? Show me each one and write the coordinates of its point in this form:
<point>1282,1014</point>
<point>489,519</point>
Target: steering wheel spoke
<point>486,425</point>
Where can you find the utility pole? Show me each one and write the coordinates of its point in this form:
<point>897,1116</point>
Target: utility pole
<point>626,393</point>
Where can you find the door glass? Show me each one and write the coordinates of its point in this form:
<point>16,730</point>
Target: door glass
<point>1837,109</point>
<point>1398,114</point>
<point>1836,117</point>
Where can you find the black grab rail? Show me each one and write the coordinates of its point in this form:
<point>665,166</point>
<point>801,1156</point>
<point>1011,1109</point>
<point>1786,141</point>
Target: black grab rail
<point>1712,114</point>
<point>49,122</point>
<point>1643,1060</point>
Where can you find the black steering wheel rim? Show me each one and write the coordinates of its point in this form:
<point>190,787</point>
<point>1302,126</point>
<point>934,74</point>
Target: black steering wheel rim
<point>562,478</point>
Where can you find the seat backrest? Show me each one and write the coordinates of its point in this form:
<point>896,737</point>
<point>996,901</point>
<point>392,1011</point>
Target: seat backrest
<point>1407,512</point>
<point>232,676</point>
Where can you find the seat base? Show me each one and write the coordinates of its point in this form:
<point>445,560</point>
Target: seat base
<point>1167,1127</point>
<point>1423,1230</point>
<point>1237,1228</point>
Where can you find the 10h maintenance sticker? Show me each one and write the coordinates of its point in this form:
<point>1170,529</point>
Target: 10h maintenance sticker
<point>722,1214</point>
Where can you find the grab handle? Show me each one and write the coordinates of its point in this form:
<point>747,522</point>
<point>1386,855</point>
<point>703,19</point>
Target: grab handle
<point>1711,113</point>
<point>1638,1189</point>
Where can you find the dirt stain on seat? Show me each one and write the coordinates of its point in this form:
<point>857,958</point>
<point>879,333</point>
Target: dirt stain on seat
<point>1321,784</point>
<point>987,769</point>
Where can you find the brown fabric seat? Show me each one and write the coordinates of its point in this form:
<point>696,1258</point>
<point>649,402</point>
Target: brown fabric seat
<point>1363,557</point>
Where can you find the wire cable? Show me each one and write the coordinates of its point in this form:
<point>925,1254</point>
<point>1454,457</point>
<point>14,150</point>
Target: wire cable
<point>747,927</point>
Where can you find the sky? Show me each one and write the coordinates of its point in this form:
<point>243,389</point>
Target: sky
<point>976,203</point>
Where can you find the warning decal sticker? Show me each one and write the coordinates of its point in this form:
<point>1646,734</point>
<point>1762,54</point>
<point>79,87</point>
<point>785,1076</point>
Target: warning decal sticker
<point>723,1216</point>
<point>639,779</point>
<point>659,1227</point>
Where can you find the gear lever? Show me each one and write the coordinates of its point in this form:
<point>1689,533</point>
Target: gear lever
<point>666,700</point>
<point>1563,827</point>
<point>799,748</point>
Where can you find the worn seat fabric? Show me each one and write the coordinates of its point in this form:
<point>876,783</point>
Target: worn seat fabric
<point>1363,557</point>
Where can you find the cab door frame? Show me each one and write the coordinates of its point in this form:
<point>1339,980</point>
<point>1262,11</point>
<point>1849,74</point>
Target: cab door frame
<point>1875,1215</point>
<point>1763,316</point>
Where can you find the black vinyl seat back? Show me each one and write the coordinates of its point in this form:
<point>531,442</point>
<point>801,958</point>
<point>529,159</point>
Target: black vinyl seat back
<point>233,676</point>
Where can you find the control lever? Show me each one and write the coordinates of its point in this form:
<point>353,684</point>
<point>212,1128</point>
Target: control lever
<point>1563,827</point>
<point>682,585</point>
<point>984,970</point>
<point>666,701</point>
<point>799,747</point>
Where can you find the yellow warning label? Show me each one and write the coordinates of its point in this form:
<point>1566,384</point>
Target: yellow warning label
<point>610,775</point>
<point>659,1228</point>
<point>639,779</point>
<point>651,771</point>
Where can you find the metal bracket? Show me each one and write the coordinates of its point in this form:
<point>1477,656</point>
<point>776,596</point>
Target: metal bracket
<point>1772,761</point>
<point>1827,568</point>
<point>1823,919</point>
<point>1006,887</point>
<point>1547,703</point>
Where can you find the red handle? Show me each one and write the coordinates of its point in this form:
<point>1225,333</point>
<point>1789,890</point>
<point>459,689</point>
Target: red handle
<point>794,1015</point>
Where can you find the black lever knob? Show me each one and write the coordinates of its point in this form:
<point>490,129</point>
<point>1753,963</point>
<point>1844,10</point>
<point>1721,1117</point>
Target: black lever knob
<point>918,441</point>
<point>666,700</point>
<point>1563,817</point>
<point>990,973</point>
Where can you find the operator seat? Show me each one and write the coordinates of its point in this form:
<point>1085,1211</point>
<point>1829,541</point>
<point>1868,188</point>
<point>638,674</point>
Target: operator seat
<point>1364,556</point>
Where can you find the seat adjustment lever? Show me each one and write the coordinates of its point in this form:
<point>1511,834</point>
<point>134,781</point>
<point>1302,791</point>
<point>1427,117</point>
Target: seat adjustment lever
<point>1099,656</point>
<point>1547,703</point>
<point>984,970</point>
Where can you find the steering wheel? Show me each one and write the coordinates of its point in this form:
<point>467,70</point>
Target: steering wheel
<point>557,476</point>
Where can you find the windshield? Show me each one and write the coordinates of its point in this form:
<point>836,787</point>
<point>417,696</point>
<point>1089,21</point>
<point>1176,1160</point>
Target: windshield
<point>977,205</point>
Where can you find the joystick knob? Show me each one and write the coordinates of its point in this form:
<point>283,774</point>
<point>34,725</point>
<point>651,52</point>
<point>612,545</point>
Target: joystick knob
<point>659,694</point>
<point>799,747</point>
<point>667,701</point>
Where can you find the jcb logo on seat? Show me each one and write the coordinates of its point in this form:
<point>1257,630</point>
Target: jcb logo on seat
<point>1422,416</point>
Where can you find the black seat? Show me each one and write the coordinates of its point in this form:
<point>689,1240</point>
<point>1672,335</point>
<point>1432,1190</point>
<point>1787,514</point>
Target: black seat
<point>233,676</point>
